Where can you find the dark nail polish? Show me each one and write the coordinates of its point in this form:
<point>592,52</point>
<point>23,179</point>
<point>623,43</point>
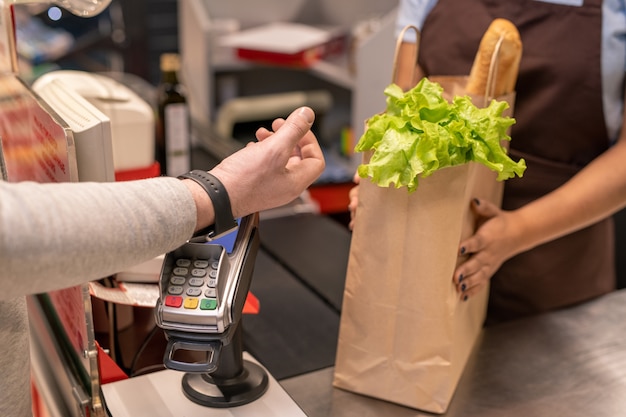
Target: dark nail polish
<point>460,277</point>
<point>462,250</point>
<point>465,298</point>
<point>463,287</point>
<point>477,202</point>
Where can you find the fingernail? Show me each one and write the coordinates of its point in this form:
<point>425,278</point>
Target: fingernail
<point>465,297</point>
<point>307,113</point>
<point>462,250</point>
<point>477,202</point>
<point>460,277</point>
<point>463,287</point>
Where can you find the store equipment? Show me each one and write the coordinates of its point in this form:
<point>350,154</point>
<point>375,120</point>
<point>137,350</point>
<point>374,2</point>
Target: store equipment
<point>203,288</point>
<point>113,127</point>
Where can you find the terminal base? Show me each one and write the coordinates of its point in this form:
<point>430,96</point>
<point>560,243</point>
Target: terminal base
<point>209,391</point>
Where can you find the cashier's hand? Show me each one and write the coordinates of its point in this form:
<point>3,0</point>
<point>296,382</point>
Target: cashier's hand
<point>353,195</point>
<point>276,169</point>
<point>487,249</point>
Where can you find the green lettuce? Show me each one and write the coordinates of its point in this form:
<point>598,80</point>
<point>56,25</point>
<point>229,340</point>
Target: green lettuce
<point>421,132</point>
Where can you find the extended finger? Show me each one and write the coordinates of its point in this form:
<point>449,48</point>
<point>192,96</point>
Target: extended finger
<point>277,123</point>
<point>263,133</point>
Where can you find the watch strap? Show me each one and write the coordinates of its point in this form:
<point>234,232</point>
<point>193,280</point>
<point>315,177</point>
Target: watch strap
<point>224,220</point>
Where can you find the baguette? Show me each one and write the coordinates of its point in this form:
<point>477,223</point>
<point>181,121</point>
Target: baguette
<point>508,59</point>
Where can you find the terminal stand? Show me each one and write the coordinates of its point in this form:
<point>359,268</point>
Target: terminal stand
<point>235,381</point>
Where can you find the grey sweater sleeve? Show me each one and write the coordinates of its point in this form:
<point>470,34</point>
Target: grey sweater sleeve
<point>58,235</point>
<point>14,361</point>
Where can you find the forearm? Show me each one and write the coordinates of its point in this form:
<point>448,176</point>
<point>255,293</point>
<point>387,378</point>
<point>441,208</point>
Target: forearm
<point>58,235</point>
<point>596,192</point>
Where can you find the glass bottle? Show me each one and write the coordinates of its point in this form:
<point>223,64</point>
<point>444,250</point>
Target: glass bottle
<point>173,141</point>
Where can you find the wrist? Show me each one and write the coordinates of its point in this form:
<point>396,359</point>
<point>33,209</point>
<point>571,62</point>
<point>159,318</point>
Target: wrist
<point>212,203</point>
<point>240,200</point>
<point>522,236</point>
<point>205,215</point>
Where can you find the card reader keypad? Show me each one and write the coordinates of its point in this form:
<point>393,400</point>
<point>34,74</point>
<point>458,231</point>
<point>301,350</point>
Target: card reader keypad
<point>192,284</point>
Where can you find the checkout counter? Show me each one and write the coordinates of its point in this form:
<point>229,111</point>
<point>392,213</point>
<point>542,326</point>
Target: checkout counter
<point>567,363</point>
<point>570,362</point>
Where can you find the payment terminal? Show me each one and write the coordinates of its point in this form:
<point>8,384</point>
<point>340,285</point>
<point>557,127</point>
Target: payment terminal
<point>203,287</point>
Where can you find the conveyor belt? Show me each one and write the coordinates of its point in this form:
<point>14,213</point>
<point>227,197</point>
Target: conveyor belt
<point>314,249</point>
<point>295,332</point>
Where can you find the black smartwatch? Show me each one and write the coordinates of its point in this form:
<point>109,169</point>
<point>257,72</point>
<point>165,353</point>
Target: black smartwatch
<point>224,220</point>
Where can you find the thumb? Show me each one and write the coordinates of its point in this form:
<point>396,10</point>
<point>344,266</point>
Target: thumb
<point>295,127</point>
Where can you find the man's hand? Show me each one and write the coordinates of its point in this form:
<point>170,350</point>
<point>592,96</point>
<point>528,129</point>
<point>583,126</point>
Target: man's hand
<point>276,169</point>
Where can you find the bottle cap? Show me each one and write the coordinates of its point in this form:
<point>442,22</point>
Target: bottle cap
<point>170,62</point>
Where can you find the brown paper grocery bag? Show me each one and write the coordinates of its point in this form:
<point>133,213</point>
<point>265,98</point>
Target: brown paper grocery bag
<point>405,336</point>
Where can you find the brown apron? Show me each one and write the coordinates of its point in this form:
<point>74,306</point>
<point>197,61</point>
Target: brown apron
<point>560,128</point>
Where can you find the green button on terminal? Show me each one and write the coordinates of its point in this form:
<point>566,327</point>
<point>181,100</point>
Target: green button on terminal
<point>208,304</point>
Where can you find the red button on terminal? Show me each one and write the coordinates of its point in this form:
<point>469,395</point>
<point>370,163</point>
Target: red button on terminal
<point>173,301</point>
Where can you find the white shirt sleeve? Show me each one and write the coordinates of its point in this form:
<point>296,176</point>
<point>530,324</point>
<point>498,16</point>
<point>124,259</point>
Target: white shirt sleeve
<point>613,64</point>
<point>412,12</point>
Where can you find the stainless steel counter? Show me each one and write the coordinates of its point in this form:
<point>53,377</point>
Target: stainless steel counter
<point>567,363</point>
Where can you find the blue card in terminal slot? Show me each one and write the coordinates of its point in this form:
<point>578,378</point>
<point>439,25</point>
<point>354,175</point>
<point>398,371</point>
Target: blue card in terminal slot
<point>228,240</point>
